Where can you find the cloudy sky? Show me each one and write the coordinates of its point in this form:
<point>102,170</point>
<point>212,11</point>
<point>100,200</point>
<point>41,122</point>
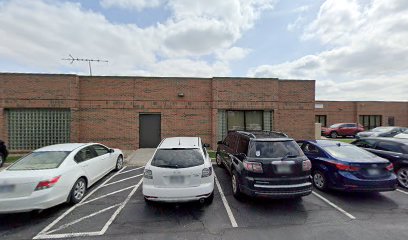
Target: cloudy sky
<point>354,49</point>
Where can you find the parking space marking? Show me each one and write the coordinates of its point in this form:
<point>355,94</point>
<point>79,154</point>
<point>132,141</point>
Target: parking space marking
<point>122,180</point>
<point>82,218</point>
<point>134,169</point>
<point>399,190</point>
<point>225,202</point>
<point>48,234</point>
<point>47,228</point>
<point>69,235</point>
<point>108,194</point>
<point>110,221</point>
<point>333,205</point>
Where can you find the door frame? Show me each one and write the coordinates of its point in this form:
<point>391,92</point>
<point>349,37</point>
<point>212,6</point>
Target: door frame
<point>149,113</point>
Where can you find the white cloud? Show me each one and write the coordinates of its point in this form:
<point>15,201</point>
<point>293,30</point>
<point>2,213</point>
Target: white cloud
<point>368,51</point>
<point>233,54</point>
<point>203,26</point>
<point>40,33</point>
<point>131,4</point>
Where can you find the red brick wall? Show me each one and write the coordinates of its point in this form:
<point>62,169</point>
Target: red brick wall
<point>37,91</point>
<point>338,112</point>
<point>106,109</point>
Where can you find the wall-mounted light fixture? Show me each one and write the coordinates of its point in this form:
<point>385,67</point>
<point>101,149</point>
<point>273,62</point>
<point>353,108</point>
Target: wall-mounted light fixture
<point>180,94</point>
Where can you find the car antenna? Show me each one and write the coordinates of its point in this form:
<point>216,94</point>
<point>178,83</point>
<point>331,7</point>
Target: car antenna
<point>338,144</point>
<point>179,142</point>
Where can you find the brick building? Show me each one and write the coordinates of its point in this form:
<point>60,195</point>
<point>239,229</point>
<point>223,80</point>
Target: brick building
<point>133,112</point>
<point>370,114</point>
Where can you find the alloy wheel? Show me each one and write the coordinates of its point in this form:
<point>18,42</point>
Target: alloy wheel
<point>402,174</point>
<point>234,184</point>
<point>218,160</point>
<point>318,180</point>
<point>79,190</point>
<point>119,163</point>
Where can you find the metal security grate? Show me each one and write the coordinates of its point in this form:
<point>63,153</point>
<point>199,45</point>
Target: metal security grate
<point>34,128</point>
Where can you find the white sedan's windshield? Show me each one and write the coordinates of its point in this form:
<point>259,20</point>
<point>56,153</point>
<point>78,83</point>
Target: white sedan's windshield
<point>381,129</point>
<point>40,160</point>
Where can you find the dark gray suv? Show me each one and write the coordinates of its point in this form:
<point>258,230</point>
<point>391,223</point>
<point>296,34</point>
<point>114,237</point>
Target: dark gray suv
<point>265,164</point>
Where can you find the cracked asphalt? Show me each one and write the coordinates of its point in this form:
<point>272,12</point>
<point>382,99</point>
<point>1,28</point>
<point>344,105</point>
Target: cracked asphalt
<point>378,216</point>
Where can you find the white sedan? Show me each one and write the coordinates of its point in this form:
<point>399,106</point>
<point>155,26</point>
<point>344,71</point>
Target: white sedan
<point>55,174</point>
<point>179,171</point>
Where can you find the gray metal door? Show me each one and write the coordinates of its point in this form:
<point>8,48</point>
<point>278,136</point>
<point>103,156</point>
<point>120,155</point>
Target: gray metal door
<point>149,130</point>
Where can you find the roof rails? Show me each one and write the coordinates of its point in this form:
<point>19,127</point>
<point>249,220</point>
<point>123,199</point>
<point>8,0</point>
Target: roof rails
<point>263,133</point>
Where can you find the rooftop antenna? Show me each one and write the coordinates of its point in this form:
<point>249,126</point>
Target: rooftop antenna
<point>72,59</point>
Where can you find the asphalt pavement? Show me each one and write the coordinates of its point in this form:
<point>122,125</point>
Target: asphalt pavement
<point>115,209</point>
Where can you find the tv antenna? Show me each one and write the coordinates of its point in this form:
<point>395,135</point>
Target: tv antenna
<point>72,59</point>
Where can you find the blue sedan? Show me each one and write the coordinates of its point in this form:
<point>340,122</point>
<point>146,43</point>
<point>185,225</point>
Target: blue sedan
<point>343,166</point>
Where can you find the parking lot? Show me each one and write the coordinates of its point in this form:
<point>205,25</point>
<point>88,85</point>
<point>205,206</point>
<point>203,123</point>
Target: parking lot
<point>115,209</point>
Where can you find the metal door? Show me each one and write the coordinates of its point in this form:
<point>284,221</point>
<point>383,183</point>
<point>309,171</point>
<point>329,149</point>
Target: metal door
<point>149,130</point>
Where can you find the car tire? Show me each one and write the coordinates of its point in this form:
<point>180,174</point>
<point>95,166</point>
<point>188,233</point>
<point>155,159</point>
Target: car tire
<point>319,180</point>
<point>218,160</point>
<point>2,160</point>
<point>333,135</point>
<point>119,163</point>
<point>236,190</point>
<point>402,176</point>
<point>78,191</point>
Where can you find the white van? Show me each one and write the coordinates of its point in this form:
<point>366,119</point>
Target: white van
<point>179,171</point>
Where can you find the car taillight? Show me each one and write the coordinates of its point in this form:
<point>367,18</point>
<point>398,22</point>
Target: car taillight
<point>206,172</point>
<point>253,167</point>
<point>344,167</point>
<point>47,183</point>
<point>148,174</point>
<point>306,165</point>
<point>390,167</point>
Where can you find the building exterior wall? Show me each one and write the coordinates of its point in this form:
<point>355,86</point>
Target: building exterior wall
<point>107,109</point>
<point>349,111</point>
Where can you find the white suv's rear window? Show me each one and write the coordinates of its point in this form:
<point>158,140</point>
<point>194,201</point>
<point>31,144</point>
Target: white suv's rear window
<point>177,158</point>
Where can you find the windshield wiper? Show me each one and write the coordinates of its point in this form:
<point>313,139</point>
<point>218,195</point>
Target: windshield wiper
<point>290,155</point>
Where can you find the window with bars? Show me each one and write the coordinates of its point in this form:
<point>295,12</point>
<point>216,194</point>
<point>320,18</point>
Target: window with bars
<point>243,120</point>
<point>370,121</point>
<point>30,129</point>
<point>321,119</point>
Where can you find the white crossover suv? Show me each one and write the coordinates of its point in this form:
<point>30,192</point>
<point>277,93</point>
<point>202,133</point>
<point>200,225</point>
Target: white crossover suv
<point>179,171</point>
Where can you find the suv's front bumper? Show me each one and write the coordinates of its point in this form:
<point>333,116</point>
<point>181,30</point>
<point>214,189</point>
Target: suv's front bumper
<point>298,188</point>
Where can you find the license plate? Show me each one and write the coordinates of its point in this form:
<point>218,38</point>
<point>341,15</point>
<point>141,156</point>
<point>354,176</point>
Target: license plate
<point>283,169</point>
<point>6,188</point>
<point>373,171</point>
<point>176,179</point>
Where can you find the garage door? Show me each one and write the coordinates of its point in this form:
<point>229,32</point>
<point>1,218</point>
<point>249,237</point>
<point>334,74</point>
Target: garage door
<point>34,128</point>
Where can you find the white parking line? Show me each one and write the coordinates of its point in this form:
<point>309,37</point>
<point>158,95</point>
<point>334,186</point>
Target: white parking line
<point>40,234</point>
<point>82,218</point>
<point>120,208</point>
<point>334,205</point>
<point>226,205</point>
<point>134,169</point>
<point>69,235</point>
<point>47,235</point>
<point>399,190</point>
<point>108,194</point>
<point>122,180</point>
